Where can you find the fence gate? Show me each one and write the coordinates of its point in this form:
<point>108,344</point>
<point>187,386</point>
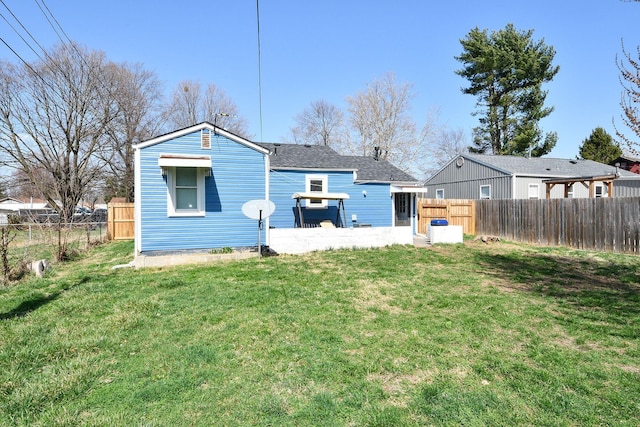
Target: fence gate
<point>455,211</point>
<point>120,221</point>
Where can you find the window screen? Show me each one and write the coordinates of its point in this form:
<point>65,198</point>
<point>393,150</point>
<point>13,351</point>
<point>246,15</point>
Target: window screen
<point>186,188</point>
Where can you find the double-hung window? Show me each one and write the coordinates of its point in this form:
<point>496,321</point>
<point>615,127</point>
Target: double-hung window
<point>185,175</point>
<point>534,191</point>
<point>316,184</point>
<point>185,191</point>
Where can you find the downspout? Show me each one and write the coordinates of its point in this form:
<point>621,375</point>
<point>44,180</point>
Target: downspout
<point>413,206</point>
<point>267,188</point>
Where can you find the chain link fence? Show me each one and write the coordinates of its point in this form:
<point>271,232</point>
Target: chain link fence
<point>26,239</point>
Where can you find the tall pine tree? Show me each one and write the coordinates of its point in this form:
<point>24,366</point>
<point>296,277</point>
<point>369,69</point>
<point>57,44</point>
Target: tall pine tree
<point>506,70</point>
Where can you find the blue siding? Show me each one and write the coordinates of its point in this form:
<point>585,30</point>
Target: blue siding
<point>238,175</point>
<point>375,208</point>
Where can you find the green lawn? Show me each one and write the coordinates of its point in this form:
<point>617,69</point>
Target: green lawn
<point>471,334</point>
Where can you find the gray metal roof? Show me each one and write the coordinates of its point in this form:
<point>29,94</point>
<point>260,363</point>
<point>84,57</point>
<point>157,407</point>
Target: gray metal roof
<point>545,166</point>
<point>299,156</point>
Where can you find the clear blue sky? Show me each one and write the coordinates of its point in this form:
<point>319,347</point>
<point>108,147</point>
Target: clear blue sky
<point>330,49</point>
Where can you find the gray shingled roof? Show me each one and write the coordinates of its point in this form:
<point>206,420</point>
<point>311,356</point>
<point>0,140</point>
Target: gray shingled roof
<point>545,166</point>
<point>298,156</point>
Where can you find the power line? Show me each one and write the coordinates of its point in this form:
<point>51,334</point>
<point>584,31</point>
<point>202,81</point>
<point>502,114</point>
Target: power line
<point>23,27</point>
<point>36,73</point>
<point>259,69</point>
<point>50,23</point>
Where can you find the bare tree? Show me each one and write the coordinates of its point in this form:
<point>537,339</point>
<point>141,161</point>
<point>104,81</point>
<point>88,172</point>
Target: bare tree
<point>138,95</point>
<point>319,124</point>
<point>190,105</point>
<point>630,98</point>
<point>447,144</point>
<point>381,118</point>
<point>53,114</point>
<point>22,185</point>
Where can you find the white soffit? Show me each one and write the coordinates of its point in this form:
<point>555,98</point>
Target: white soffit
<point>408,189</point>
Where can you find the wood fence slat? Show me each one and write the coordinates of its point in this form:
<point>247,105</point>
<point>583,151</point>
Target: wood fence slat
<point>456,212</point>
<point>120,221</point>
<point>603,224</point>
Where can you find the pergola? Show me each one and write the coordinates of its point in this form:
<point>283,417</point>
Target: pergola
<point>587,181</point>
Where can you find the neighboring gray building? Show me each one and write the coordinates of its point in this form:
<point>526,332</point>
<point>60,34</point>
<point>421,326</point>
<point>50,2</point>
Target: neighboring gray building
<point>475,176</point>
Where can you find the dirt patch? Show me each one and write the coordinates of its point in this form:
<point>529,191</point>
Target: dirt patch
<point>632,369</point>
<point>399,386</point>
<point>376,295</point>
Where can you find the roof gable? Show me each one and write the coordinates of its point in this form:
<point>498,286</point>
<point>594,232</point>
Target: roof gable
<point>204,125</point>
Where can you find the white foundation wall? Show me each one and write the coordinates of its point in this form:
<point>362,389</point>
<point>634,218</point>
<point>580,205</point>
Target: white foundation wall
<point>302,240</point>
<point>445,234</point>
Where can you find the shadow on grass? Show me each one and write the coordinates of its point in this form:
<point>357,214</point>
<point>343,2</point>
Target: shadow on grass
<point>33,304</point>
<point>591,284</point>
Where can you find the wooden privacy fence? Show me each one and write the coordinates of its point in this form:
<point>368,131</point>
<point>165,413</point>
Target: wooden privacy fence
<point>120,221</point>
<point>456,212</point>
<point>607,224</point>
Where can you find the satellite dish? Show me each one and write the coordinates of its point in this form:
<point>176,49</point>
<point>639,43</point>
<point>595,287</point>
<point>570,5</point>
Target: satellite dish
<point>258,209</point>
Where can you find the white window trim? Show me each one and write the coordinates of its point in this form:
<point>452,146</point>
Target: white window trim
<point>534,191</point>
<point>485,197</point>
<point>325,189</point>
<point>440,190</point>
<point>570,192</point>
<point>595,192</point>
<point>171,195</point>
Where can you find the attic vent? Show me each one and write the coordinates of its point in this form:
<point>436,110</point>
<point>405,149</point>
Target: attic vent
<point>573,161</point>
<point>205,139</point>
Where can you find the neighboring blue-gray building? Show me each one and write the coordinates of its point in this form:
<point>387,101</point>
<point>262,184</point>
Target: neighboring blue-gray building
<point>191,185</point>
<point>475,176</point>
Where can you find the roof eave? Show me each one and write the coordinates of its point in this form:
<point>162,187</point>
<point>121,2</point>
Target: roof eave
<point>316,169</point>
<point>196,128</point>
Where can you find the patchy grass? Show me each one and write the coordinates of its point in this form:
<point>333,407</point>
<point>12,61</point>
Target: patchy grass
<point>471,334</point>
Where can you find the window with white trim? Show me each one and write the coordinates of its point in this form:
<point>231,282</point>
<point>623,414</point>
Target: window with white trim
<point>570,192</point>
<point>185,191</point>
<point>599,191</point>
<point>440,193</point>
<point>534,191</point>
<point>316,184</point>
<point>485,191</point>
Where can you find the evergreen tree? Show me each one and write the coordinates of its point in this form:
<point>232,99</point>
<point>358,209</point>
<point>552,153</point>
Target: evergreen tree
<point>600,147</point>
<point>506,70</point>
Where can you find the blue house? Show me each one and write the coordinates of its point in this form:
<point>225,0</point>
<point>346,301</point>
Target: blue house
<point>191,185</point>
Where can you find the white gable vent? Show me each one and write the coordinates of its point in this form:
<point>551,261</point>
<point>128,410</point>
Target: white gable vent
<point>205,139</point>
